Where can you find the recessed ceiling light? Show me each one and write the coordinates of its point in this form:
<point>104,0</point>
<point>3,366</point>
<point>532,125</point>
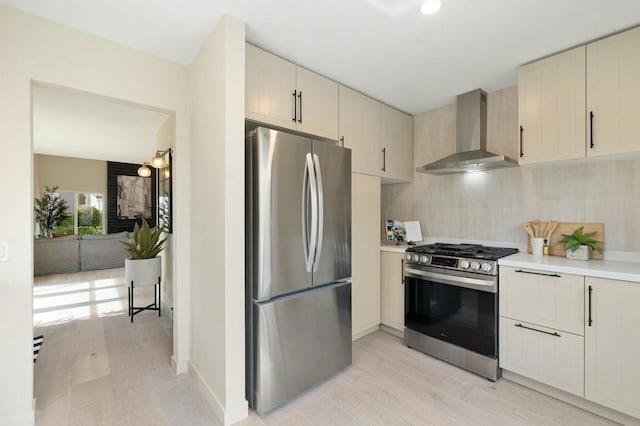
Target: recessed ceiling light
<point>430,7</point>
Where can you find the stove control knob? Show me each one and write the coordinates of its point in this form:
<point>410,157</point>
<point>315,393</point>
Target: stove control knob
<point>424,259</point>
<point>487,267</point>
<point>415,258</point>
<point>408,257</point>
<point>465,264</point>
<point>475,266</point>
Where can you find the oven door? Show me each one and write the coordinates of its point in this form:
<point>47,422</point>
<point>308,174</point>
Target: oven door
<point>454,307</point>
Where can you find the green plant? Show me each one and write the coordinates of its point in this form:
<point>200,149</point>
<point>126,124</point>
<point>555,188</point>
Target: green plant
<point>146,243</point>
<point>579,238</point>
<point>50,211</point>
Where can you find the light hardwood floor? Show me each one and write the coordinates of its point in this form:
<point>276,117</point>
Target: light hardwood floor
<point>96,368</point>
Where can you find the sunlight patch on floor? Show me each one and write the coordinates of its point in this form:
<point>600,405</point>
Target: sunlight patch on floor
<point>74,300</point>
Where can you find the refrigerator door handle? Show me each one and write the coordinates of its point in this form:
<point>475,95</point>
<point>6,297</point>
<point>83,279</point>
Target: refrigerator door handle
<point>316,261</point>
<point>313,186</point>
<point>305,215</point>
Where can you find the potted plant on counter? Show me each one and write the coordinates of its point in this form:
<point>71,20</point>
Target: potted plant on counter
<point>579,245</point>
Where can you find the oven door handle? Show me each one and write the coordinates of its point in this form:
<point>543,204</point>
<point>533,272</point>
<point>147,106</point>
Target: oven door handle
<point>488,286</point>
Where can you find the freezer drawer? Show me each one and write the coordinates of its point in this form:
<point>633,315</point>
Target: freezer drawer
<point>298,342</point>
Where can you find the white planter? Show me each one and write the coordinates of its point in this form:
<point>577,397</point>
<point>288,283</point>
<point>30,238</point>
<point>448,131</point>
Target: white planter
<point>143,272</point>
<point>581,253</point>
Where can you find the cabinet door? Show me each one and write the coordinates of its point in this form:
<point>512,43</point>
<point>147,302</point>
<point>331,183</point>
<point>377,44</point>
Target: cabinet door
<point>549,356</point>
<point>317,104</point>
<point>360,128</point>
<point>392,290</point>
<point>396,130</point>
<point>270,82</point>
<point>613,94</point>
<point>544,298</point>
<point>551,97</point>
<point>612,344</point>
<point>365,237</point>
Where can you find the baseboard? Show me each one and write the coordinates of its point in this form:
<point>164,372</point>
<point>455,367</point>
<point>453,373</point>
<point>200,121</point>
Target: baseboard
<point>179,367</point>
<point>574,400</point>
<point>391,330</point>
<point>227,417</point>
<point>365,332</point>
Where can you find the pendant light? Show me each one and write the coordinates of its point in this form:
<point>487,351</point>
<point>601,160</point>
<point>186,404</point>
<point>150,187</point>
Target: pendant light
<point>144,170</point>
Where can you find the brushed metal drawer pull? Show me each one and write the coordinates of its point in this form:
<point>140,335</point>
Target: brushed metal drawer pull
<point>539,331</point>
<point>538,273</point>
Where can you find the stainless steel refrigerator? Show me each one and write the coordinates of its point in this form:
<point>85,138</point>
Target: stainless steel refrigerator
<point>298,264</point>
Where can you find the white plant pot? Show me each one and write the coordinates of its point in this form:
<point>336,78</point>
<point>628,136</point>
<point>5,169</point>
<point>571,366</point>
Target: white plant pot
<point>582,253</point>
<point>143,272</point>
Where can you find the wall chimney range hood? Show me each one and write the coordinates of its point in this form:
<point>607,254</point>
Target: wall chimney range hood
<point>471,140</point>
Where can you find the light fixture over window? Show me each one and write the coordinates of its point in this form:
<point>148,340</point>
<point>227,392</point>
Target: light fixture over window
<point>430,7</point>
<point>157,162</point>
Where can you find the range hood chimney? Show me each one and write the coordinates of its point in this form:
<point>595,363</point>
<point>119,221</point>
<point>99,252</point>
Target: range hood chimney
<point>471,140</point>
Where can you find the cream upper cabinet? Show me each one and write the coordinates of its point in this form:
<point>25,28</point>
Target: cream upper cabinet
<point>613,94</point>
<point>396,131</point>
<point>365,268</point>
<point>612,344</point>
<point>270,82</point>
<point>380,137</point>
<point>551,97</point>
<point>392,290</point>
<point>360,131</point>
<point>317,99</point>
<point>280,93</point>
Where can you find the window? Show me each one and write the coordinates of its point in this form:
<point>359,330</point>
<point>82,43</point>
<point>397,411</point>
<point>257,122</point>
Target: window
<point>86,212</point>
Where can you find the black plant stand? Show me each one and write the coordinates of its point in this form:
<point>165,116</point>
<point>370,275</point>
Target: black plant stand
<point>155,306</point>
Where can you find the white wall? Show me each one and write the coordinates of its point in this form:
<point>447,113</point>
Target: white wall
<point>217,218</point>
<point>35,49</point>
<point>490,206</point>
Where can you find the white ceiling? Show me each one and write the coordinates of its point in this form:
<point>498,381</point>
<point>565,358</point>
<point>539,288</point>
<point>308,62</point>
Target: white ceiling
<point>75,124</point>
<point>384,48</point>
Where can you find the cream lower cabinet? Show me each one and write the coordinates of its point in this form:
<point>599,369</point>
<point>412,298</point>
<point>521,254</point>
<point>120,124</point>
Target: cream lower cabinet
<point>392,290</point>
<point>612,344</point>
<point>541,327</point>
<point>550,356</point>
<point>365,242</point>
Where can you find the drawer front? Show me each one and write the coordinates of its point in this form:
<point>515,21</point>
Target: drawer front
<point>543,298</point>
<point>549,356</point>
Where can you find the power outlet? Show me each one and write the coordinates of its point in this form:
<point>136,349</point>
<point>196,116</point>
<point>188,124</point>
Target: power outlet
<point>4,251</point>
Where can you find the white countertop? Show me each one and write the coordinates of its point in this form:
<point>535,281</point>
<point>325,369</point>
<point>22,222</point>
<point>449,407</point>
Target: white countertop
<point>612,269</point>
<point>394,248</point>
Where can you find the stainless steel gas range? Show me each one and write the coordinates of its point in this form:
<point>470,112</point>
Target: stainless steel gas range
<point>451,304</point>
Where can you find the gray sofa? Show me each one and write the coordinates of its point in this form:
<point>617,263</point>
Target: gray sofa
<point>73,254</point>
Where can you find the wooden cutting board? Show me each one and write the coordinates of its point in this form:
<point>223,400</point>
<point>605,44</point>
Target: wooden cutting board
<point>568,228</point>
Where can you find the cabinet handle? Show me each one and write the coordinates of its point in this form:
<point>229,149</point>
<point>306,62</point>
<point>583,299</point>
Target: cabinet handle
<point>384,159</point>
<point>342,141</point>
<point>590,320</point>
<point>591,115</point>
<point>402,270</point>
<point>295,106</point>
<point>521,141</point>
<point>539,331</point>
<point>300,98</point>
<point>538,273</point>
